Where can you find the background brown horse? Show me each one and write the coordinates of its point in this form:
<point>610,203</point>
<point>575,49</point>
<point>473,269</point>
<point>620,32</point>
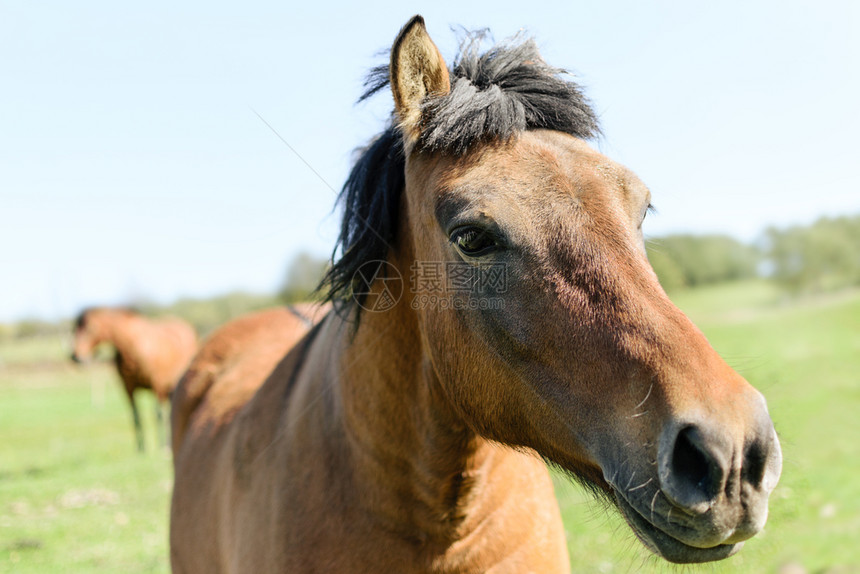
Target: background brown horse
<point>150,353</point>
<point>267,335</point>
<point>379,443</point>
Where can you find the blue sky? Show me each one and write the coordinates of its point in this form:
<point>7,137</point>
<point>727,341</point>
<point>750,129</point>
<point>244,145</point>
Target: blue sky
<point>133,164</point>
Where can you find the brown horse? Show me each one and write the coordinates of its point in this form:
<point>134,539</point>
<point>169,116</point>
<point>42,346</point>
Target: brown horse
<point>238,355</point>
<point>150,353</point>
<point>407,436</point>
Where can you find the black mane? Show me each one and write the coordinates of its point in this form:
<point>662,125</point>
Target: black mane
<point>494,95</point>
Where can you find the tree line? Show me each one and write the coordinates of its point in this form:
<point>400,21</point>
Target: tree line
<point>801,259</point>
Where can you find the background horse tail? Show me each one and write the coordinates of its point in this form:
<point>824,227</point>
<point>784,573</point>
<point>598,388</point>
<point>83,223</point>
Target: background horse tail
<point>271,334</point>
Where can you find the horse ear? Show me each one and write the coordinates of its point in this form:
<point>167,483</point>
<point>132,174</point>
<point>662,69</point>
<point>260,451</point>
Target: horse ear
<point>417,71</point>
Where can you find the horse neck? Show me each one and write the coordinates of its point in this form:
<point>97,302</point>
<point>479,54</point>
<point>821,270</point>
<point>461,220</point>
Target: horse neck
<point>421,471</point>
<point>118,330</point>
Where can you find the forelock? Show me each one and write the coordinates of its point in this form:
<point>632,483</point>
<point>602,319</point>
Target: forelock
<point>496,94</point>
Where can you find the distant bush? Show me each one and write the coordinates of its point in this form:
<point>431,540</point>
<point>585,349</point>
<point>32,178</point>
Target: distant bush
<point>7,331</point>
<point>207,314</point>
<point>303,276</point>
<point>695,260</point>
<point>29,328</point>
<point>816,258</point>
<point>668,270</point>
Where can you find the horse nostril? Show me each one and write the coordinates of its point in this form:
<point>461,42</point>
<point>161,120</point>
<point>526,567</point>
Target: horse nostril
<point>762,461</point>
<point>693,468</point>
<point>755,459</point>
<point>692,465</point>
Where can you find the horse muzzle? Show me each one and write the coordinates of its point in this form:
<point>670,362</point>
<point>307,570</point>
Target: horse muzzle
<point>706,492</point>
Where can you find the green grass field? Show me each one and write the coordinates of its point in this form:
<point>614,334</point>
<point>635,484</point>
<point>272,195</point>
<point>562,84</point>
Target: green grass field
<point>75,496</point>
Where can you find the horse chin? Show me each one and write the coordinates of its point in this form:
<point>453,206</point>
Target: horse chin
<point>665,545</point>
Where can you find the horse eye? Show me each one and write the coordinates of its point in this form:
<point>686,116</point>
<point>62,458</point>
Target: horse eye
<point>473,241</point>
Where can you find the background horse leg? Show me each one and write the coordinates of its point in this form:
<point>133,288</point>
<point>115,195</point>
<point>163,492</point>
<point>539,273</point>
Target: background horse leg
<point>138,429</point>
<point>159,417</point>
